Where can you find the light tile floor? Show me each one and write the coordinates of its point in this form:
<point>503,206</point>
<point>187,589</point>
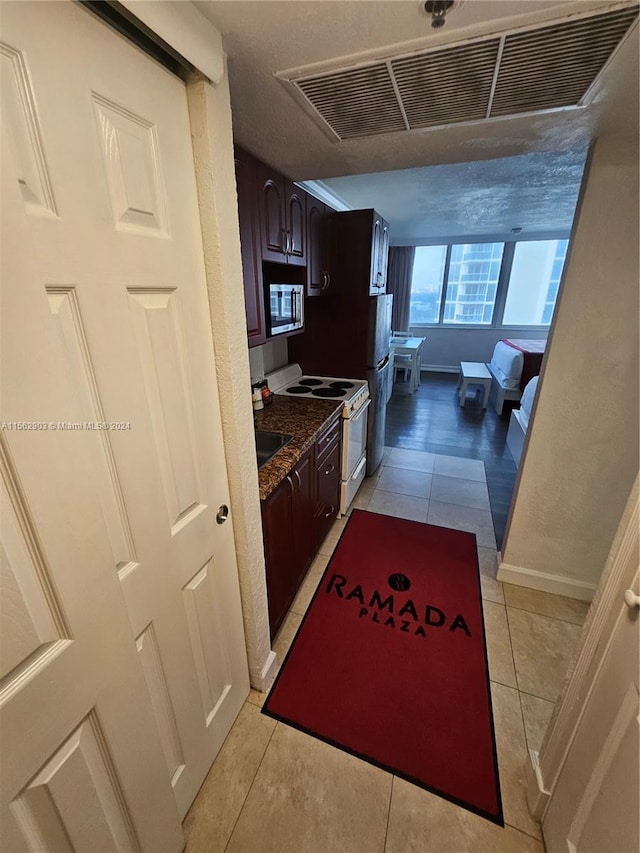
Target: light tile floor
<point>273,788</point>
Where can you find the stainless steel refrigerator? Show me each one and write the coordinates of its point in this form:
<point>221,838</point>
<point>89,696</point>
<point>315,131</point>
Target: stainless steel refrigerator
<point>347,330</point>
<point>379,376</point>
<point>350,338</point>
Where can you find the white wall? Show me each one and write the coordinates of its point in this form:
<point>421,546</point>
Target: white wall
<point>445,348</point>
<point>582,454</point>
<point>210,115</point>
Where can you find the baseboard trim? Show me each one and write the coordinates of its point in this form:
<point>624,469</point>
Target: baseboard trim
<point>537,796</point>
<point>533,579</point>
<point>267,673</point>
<point>440,368</point>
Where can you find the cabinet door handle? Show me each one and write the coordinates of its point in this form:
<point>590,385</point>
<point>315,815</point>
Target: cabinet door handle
<point>331,511</point>
<point>330,469</point>
<point>298,479</point>
<point>284,241</point>
<point>290,481</point>
<point>289,248</point>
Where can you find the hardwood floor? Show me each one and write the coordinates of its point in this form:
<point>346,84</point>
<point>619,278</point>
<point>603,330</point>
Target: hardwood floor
<point>432,419</point>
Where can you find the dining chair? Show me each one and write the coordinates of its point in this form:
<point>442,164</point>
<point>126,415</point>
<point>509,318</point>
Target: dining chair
<point>404,363</point>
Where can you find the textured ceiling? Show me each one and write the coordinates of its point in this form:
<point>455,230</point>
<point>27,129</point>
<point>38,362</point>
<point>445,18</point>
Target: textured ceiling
<point>266,37</point>
<point>263,38</point>
<point>535,192</point>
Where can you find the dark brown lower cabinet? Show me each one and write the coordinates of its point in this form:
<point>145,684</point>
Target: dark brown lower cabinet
<point>295,519</point>
<point>328,479</point>
<point>277,532</point>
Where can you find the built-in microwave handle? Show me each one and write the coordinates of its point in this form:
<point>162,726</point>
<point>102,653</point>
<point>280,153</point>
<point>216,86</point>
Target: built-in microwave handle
<point>297,311</point>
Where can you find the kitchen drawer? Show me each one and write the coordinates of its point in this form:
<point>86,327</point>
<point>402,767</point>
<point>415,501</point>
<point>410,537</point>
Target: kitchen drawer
<point>327,440</point>
<point>328,506</point>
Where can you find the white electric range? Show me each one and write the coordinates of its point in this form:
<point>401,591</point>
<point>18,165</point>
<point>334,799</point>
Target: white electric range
<point>354,394</point>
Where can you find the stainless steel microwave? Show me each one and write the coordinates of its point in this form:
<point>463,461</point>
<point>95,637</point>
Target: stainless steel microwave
<point>284,308</point>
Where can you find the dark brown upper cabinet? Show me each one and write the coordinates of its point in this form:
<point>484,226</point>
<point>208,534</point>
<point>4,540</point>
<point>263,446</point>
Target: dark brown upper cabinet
<point>246,175</point>
<point>318,272</point>
<point>282,217</point>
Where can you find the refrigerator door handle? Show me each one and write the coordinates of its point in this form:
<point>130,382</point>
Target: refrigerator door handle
<point>383,362</point>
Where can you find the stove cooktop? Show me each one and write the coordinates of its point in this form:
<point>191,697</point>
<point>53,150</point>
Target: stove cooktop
<point>330,389</point>
<point>290,381</point>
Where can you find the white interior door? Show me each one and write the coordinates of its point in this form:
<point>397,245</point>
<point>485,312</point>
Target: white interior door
<point>595,806</point>
<point>114,546</point>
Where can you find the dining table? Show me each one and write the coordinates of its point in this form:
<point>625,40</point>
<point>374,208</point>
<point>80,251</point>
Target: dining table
<point>409,346</point>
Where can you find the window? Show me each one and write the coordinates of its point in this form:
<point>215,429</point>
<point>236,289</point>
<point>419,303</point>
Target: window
<point>426,284</point>
<point>461,283</point>
<point>472,282</point>
<point>534,282</point>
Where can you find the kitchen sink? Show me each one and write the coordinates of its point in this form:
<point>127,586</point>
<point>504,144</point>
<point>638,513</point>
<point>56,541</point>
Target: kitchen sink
<point>268,444</point>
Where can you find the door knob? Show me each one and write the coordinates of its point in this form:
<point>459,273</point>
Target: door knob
<point>631,599</point>
<point>223,514</point>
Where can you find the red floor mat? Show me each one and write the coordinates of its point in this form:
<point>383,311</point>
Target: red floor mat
<point>390,661</point>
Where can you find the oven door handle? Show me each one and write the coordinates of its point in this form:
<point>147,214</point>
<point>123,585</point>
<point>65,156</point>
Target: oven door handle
<point>363,408</point>
<point>359,468</point>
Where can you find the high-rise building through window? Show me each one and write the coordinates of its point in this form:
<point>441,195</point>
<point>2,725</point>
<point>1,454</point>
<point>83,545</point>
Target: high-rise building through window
<point>472,285</point>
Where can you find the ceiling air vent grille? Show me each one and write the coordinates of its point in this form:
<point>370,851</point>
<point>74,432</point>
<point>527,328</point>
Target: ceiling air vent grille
<point>359,102</point>
<point>449,85</point>
<point>554,66</point>
<point>550,67</point>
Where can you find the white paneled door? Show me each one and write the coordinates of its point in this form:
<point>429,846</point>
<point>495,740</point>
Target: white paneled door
<point>594,804</point>
<point>122,649</point>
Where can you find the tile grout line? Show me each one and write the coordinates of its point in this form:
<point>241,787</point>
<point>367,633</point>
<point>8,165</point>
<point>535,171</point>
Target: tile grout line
<point>386,832</point>
<point>524,832</point>
<point>515,670</point>
<point>401,494</point>
<point>535,696</point>
<point>244,802</point>
<point>545,615</point>
<point>524,692</point>
<point>502,684</point>
<point>524,724</point>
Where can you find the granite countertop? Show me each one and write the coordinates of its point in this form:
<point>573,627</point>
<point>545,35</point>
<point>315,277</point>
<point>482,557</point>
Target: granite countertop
<point>304,420</point>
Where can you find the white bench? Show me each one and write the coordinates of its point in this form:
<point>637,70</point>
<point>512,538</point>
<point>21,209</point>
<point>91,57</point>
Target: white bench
<point>502,393</point>
<point>474,373</point>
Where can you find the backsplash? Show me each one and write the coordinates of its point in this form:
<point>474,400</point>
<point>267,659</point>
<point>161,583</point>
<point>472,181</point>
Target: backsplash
<point>269,357</point>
